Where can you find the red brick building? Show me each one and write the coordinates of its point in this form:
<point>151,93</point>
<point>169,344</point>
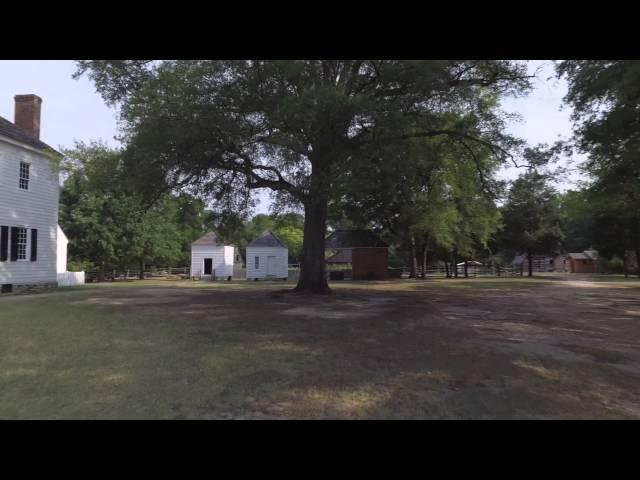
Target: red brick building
<point>362,250</point>
<point>585,262</point>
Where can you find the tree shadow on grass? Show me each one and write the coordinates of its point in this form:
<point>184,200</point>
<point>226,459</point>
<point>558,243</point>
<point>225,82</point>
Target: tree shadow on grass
<point>262,354</point>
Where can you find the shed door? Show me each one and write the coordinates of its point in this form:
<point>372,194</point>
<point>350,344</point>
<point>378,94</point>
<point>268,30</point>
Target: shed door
<point>208,263</point>
<point>271,266</point>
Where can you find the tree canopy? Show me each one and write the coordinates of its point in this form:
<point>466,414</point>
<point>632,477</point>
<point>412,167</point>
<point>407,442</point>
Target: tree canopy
<point>605,98</point>
<point>108,226</point>
<point>531,217</point>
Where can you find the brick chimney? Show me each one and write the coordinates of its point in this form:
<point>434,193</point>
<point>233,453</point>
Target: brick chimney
<point>28,114</point>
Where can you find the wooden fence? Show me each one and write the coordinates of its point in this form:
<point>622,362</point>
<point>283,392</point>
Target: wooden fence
<point>132,274</point>
<point>473,271</point>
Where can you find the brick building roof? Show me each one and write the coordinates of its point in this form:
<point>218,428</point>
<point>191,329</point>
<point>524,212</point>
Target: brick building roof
<point>354,239</point>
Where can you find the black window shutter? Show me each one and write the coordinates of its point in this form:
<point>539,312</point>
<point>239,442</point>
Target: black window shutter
<point>14,244</point>
<point>4,243</point>
<point>34,244</point>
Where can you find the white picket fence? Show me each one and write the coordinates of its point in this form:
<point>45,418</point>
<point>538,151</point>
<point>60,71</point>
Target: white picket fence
<point>69,279</point>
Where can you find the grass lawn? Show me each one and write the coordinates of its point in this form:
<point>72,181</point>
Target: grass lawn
<point>477,348</point>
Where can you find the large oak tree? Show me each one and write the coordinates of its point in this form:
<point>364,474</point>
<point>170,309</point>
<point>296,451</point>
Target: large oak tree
<point>294,127</point>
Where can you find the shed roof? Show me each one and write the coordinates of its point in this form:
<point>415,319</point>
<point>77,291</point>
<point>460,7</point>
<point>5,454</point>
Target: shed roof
<point>354,239</point>
<point>267,239</point>
<point>12,131</point>
<point>580,256</point>
<point>593,254</point>
<point>211,239</point>
<point>343,256</point>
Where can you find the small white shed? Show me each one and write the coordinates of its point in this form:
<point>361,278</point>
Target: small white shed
<point>211,258</point>
<point>64,277</point>
<point>267,257</point>
<point>63,241</point>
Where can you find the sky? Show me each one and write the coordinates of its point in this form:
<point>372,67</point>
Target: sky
<point>544,117</point>
<point>73,110</point>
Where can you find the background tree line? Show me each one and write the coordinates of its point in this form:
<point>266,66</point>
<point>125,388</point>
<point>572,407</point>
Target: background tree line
<point>408,148</point>
<point>111,226</point>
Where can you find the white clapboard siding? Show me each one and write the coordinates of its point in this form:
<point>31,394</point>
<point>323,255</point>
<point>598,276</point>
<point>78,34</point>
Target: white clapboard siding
<point>33,208</point>
<point>222,260</point>
<point>68,279</point>
<point>281,255</point>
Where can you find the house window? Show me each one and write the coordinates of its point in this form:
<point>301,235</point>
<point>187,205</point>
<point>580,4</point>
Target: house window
<point>22,243</point>
<point>257,260</point>
<point>584,262</point>
<point>23,180</point>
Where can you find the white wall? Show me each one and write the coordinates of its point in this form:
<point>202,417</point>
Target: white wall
<point>282,259</point>
<point>68,279</point>
<point>62,251</point>
<point>222,260</point>
<point>33,208</point>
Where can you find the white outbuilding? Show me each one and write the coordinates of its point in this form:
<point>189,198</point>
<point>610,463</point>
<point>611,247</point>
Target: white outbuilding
<point>64,277</point>
<point>63,241</point>
<point>267,258</point>
<point>211,258</point>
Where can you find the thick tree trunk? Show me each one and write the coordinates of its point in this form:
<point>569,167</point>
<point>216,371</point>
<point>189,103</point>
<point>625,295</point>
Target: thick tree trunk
<point>313,276</point>
<point>101,272</point>
<point>466,269</point>
<point>530,260</point>
<point>414,261</point>
<point>446,268</point>
<point>141,275</point>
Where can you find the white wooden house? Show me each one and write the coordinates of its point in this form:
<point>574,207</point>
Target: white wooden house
<point>267,258</point>
<point>29,192</point>
<point>212,259</point>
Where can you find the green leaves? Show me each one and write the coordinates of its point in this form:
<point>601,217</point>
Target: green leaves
<point>110,225</point>
<point>605,96</point>
<point>531,216</point>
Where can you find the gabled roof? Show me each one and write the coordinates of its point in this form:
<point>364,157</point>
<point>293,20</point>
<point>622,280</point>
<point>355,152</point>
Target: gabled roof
<point>209,238</point>
<point>354,239</point>
<point>267,239</point>
<point>10,130</point>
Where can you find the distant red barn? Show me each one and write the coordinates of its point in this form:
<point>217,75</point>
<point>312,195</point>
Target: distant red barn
<point>585,262</point>
<point>367,254</point>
